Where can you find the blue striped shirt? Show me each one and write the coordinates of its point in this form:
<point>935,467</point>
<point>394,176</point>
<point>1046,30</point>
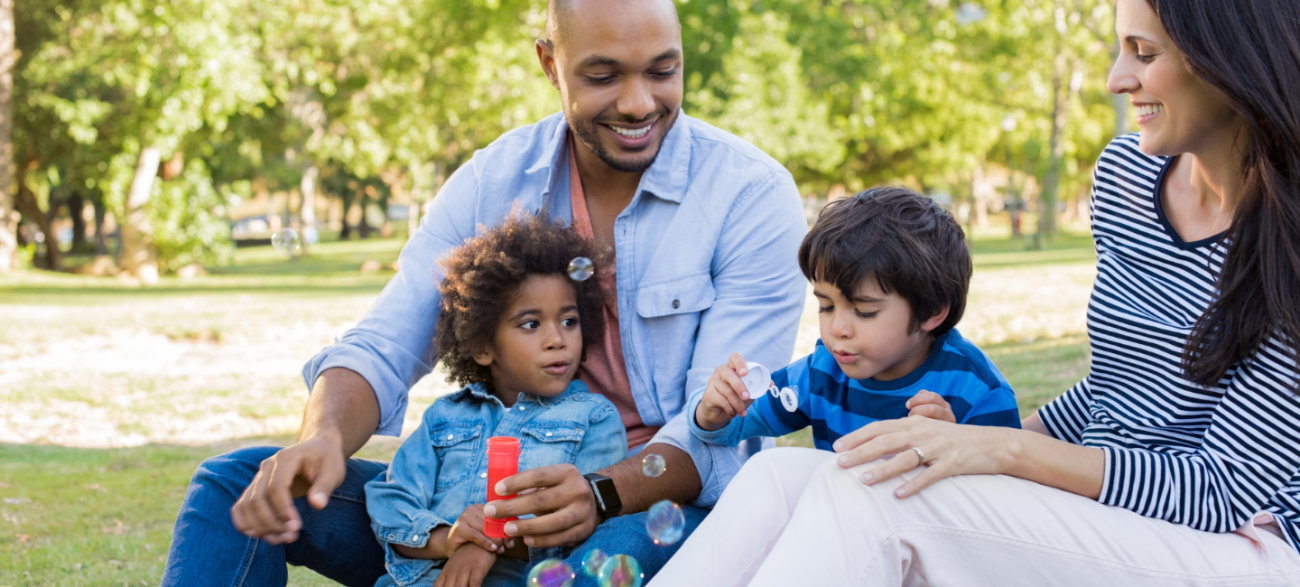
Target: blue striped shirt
<point>1207,457</point>
<point>834,404</point>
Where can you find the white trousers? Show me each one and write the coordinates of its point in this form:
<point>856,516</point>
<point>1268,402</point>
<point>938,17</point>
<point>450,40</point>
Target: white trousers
<point>793,517</point>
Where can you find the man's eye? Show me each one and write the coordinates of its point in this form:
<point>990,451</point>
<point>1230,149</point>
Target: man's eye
<point>668,73</point>
<point>600,80</point>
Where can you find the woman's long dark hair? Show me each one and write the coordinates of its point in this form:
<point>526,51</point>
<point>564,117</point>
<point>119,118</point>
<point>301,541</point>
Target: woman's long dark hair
<point>1250,51</point>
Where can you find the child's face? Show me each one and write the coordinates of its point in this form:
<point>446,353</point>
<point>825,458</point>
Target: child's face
<point>868,335</point>
<point>538,344</point>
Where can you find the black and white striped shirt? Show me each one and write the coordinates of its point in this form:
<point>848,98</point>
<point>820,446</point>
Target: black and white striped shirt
<point>1209,458</point>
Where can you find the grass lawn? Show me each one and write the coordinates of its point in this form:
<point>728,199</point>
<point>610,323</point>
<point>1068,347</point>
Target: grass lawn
<point>112,394</point>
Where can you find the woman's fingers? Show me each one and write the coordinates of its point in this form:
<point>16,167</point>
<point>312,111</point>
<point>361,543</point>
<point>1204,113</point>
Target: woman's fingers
<point>928,477</point>
<point>904,461</point>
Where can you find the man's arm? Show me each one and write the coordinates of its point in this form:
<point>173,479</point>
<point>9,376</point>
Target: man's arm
<point>341,414</point>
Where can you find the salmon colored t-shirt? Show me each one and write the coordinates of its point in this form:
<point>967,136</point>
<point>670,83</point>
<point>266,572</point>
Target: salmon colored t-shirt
<point>604,371</point>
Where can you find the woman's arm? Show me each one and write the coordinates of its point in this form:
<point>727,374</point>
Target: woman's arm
<point>1034,424</point>
<point>957,449</point>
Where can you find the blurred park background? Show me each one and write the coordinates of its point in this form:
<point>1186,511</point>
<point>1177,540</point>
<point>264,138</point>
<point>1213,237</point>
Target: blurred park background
<point>150,149</point>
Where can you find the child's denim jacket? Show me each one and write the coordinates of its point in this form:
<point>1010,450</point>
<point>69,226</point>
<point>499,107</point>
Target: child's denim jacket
<point>442,467</point>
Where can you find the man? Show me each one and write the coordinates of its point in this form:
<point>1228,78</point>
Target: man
<point>704,229</point>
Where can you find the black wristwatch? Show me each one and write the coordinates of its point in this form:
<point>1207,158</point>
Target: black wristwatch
<point>607,501</point>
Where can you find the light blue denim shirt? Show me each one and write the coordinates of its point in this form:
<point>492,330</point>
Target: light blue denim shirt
<point>706,260</point>
<point>442,467</point>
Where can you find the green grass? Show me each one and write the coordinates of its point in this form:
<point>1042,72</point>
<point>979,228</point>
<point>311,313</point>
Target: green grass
<point>105,516</point>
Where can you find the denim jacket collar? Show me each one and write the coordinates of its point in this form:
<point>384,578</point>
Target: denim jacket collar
<point>666,179</point>
<point>481,391</point>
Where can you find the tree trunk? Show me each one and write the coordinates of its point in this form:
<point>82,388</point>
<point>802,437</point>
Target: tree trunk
<point>139,258</point>
<point>32,209</point>
<point>8,217</point>
<point>307,213</point>
<point>77,211</point>
<point>1060,111</point>
<point>101,246</point>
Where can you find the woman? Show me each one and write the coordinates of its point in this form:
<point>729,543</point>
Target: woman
<point>1175,461</point>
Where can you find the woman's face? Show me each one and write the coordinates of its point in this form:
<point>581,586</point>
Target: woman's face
<point>1176,111</point>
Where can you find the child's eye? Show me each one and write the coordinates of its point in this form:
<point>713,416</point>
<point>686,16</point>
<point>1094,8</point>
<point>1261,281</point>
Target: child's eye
<point>825,309</point>
<point>865,314</point>
<point>570,322</point>
<point>530,325</point>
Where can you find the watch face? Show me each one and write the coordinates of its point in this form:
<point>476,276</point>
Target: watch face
<point>606,495</point>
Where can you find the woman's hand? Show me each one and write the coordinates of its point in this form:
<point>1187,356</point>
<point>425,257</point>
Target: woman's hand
<point>949,450</point>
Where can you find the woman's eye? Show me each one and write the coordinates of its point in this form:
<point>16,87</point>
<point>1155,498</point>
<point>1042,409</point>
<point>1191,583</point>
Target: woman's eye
<point>1145,58</point>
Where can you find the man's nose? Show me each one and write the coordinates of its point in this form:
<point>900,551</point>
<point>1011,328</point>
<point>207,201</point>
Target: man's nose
<point>636,101</point>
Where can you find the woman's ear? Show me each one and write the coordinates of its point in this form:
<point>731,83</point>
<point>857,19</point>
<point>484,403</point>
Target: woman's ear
<point>934,321</point>
<point>484,357</point>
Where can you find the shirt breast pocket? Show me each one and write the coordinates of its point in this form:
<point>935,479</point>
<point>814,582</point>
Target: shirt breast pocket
<point>457,449</point>
<point>549,444</point>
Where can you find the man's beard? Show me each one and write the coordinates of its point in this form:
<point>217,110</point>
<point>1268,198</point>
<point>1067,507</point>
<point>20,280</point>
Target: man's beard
<point>590,136</point>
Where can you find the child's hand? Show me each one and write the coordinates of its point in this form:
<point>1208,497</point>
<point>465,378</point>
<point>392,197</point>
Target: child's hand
<point>466,568</point>
<point>468,529</point>
<point>726,396</point>
<point>929,404</point>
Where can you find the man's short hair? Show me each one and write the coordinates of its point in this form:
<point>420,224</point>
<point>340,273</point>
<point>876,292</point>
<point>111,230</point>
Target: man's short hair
<point>902,239</point>
<point>558,14</point>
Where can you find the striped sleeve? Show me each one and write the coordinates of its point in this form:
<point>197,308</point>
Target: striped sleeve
<point>1066,416</point>
<point>1250,452</point>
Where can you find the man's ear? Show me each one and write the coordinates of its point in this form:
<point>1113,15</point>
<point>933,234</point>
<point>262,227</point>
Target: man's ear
<point>546,56</point>
<point>935,320</point>
<point>485,356</point>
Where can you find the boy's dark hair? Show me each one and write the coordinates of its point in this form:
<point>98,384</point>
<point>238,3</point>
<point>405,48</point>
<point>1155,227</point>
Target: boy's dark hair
<point>482,279</point>
<point>905,240</point>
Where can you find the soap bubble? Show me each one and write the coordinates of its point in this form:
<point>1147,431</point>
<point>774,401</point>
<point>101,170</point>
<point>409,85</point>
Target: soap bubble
<point>653,465</point>
<point>551,572</point>
<point>665,522</point>
<point>592,563</point>
<point>621,570</point>
<point>581,269</point>
<point>286,242</point>
<point>310,235</point>
<point>790,398</point>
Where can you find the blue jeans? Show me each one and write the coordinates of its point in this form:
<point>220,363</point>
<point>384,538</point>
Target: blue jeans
<point>337,541</point>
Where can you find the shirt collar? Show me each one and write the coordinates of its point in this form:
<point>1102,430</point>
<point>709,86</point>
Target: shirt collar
<point>480,391</point>
<point>666,178</point>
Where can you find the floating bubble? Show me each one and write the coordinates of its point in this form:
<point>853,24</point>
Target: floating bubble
<point>310,235</point>
<point>621,570</point>
<point>551,572</point>
<point>592,563</point>
<point>653,465</point>
<point>581,269</point>
<point>790,398</point>
<point>665,523</point>
<point>286,242</point>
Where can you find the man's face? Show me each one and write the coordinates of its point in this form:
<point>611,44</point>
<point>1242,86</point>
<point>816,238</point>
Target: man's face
<point>618,66</point>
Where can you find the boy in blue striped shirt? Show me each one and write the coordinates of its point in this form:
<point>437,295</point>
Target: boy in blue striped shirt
<point>890,271</point>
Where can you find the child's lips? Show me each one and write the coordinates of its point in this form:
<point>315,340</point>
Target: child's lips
<point>843,357</point>
<point>557,368</point>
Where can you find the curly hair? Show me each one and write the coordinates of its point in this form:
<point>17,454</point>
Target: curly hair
<point>483,276</point>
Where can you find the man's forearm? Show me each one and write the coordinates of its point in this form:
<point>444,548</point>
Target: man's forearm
<point>680,481</point>
<point>342,410</point>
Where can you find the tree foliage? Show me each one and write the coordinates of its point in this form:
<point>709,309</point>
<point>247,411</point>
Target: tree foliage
<point>241,91</point>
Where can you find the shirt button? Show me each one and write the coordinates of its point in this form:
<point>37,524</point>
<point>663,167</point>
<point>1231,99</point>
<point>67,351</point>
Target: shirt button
<point>451,436</point>
<point>392,537</point>
<point>521,408</point>
<point>482,475</point>
<point>677,304</point>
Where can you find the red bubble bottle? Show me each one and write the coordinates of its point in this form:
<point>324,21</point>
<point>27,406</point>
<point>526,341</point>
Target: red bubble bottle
<point>503,461</point>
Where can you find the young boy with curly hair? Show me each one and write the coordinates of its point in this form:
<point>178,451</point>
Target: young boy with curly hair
<point>511,329</point>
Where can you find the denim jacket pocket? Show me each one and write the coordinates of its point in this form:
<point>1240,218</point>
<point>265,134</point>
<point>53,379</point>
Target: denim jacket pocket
<point>456,445</point>
<point>549,443</point>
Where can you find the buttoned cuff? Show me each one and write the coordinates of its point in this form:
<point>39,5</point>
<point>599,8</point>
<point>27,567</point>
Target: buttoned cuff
<point>415,535</point>
<point>715,464</point>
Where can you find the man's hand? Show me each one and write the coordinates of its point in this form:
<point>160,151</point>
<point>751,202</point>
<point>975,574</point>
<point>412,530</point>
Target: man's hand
<point>561,499</point>
<point>466,567</point>
<point>726,396</point>
<point>929,404</point>
<point>312,467</point>
<point>468,529</point>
